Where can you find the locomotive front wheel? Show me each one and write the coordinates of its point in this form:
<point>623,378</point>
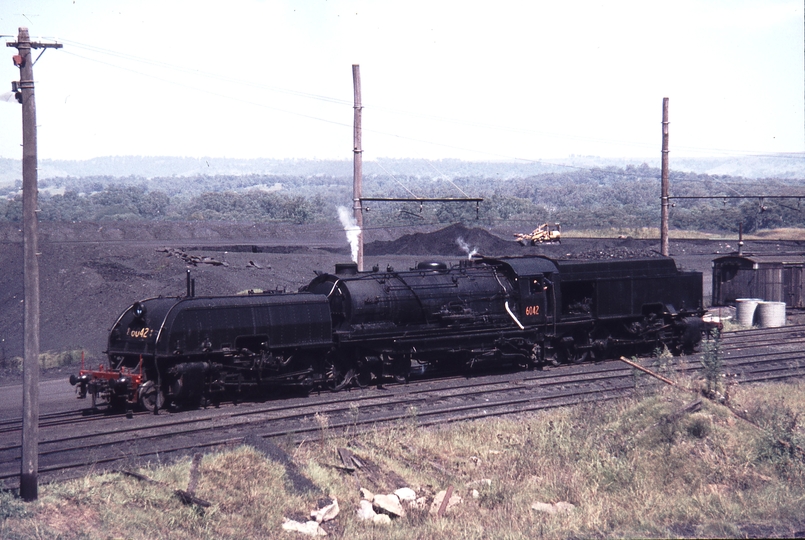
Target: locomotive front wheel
<point>150,396</point>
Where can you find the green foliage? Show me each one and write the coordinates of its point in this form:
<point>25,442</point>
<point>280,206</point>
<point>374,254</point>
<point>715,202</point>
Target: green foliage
<point>11,506</point>
<point>782,441</point>
<point>712,367</point>
<point>595,198</point>
<point>664,360</point>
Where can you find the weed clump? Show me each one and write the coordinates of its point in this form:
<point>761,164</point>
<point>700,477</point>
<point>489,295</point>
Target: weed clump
<point>656,465</point>
<point>781,441</point>
<point>664,360</point>
<point>713,369</point>
<point>11,507</point>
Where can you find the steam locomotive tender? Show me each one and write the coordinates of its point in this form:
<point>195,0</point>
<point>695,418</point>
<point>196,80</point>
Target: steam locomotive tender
<point>354,327</point>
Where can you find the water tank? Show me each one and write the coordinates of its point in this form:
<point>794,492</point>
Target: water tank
<point>745,310</point>
<point>771,314</point>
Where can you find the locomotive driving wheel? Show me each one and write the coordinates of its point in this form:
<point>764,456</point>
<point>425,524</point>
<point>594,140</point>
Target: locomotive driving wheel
<point>150,396</point>
<point>573,351</point>
<point>337,375</point>
<point>401,368</point>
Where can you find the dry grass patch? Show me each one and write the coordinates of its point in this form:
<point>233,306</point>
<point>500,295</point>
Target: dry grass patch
<point>651,233</point>
<point>47,360</point>
<point>642,233</point>
<point>783,233</point>
<point>630,468</point>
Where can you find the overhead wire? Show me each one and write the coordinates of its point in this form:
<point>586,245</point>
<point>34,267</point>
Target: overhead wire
<point>440,173</point>
<point>308,95</point>
<point>213,93</point>
<point>395,179</point>
<point>215,76</point>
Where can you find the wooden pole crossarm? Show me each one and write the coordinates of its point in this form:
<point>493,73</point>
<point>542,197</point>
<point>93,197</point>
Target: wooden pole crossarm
<point>422,199</point>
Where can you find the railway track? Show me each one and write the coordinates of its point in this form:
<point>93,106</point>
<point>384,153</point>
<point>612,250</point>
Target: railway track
<point>72,443</point>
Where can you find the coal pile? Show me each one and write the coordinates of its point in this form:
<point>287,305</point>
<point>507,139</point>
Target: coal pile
<point>455,240</point>
<point>613,252</point>
<point>460,240</point>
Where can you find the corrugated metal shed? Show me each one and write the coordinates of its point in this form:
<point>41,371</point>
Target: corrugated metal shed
<point>774,278</point>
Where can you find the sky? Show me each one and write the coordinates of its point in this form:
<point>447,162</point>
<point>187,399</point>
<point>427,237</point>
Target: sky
<point>504,80</point>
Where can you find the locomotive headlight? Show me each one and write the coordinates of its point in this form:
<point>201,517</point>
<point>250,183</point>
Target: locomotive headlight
<point>139,310</point>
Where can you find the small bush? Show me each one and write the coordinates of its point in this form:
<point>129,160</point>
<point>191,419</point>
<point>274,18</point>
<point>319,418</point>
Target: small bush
<point>11,507</point>
<point>664,360</point>
<point>713,367</point>
<point>699,427</point>
<point>50,359</point>
<point>781,441</point>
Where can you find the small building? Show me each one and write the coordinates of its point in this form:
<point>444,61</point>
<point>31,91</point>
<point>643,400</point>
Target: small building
<point>773,278</point>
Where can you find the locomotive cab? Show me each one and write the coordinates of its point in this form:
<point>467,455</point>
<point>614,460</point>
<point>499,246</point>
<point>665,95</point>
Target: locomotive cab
<point>534,299</point>
<point>534,286</point>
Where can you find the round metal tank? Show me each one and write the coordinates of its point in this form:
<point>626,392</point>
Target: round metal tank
<point>771,314</point>
<point>745,310</point>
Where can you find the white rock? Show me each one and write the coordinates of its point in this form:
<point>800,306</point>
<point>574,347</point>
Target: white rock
<point>548,508</point>
<point>475,494</point>
<point>389,504</point>
<point>420,504</point>
<point>311,528</point>
<point>365,511</point>
<point>561,507</point>
<point>437,502</point>
<point>381,519</point>
<point>481,482</point>
<point>405,494</point>
<point>564,506</point>
<point>366,494</point>
<point>327,513</point>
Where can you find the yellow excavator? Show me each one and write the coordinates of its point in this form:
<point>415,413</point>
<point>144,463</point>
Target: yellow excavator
<point>544,234</point>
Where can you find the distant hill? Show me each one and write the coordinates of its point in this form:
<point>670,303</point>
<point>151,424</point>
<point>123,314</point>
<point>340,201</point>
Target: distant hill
<point>786,166</point>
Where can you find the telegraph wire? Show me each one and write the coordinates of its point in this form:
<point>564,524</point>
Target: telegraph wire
<point>621,172</point>
<point>207,74</point>
<point>126,56</point>
<point>213,93</point>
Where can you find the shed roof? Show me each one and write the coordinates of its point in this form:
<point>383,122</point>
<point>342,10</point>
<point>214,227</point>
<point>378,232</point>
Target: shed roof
<point>792,259</point>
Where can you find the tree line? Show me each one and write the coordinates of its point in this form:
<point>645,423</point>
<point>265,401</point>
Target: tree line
<point>608,197</point>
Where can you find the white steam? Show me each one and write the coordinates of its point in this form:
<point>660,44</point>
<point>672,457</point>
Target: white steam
<point>352,230</point>
<point>465,247</point>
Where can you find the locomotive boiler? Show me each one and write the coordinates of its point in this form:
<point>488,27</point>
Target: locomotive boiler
<point>350,327</point>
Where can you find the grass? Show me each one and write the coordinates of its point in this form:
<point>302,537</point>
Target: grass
<point>47,360</point>
<point>651,233</point>
<point>642,233</point>
<point>631,467</point>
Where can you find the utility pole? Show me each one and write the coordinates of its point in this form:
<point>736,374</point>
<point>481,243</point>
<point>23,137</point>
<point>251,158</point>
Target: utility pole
<point>30,366</point>
<point>664,196</point>
<point>357,174</point>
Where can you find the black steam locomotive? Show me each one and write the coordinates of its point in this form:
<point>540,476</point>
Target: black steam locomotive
<point>354,327</point>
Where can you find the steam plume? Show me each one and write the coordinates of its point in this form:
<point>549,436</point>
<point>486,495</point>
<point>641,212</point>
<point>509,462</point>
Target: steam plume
<point>352,230</point>
<point>465,247</point>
